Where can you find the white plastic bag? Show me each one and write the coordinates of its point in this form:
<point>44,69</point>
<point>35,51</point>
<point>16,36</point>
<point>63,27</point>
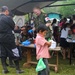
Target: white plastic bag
<point>15,52</point>
<point>53,44</point>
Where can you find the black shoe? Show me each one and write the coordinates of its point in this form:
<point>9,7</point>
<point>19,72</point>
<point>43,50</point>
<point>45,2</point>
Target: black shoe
<point>19,71</point>
<point>5,71</point>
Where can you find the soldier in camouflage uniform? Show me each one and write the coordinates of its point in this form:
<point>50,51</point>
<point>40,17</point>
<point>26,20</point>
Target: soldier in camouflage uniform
<point>40,19</point>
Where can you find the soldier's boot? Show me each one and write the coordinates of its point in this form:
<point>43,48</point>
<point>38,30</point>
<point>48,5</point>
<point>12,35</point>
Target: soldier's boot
<point>11,64</point>
<point>18,70</point>
<point>3,61</point>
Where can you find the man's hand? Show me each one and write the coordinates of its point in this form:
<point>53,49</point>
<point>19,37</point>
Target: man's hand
<point>48,24</point>
<point>33,29</point>
<point>48,43</point>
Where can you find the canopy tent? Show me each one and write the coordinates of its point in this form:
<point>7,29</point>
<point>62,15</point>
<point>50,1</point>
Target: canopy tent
<point>21,7</point>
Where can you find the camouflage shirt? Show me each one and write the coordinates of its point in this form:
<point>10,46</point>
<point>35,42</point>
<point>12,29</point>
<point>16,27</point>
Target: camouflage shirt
<point>41,20</point>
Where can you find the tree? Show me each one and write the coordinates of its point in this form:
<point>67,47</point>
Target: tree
<point>67,11</point>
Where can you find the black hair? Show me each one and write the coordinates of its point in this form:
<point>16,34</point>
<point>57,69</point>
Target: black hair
<point>4,8</point>
<point>42,28</point>
<point>65,26</point>
<point>54,21</point>
<point>65,19</point>
<point>71,21</point>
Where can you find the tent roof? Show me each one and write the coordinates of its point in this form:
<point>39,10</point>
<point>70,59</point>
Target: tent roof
<point>21,7</point>
<point>28,7</point>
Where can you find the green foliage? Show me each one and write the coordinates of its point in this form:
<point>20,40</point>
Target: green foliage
<point>53,9</point>
<point>67,11</point>
<point>26,18</point>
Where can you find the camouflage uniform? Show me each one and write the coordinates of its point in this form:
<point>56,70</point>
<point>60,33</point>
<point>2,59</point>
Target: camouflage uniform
<point>49,34</point>
<point>41,20</point>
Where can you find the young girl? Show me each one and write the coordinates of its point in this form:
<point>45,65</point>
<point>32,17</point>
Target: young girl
<point>63,43</point>
<point>42,48</point>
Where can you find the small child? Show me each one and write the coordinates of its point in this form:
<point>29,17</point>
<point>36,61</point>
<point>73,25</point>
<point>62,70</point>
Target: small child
<point>42,48</point>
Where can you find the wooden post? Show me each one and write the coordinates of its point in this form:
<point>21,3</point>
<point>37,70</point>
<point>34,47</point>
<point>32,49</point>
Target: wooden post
<point>28,56</point>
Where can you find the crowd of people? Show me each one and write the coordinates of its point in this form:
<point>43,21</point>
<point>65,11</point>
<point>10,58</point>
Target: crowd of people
<point>42,29</point>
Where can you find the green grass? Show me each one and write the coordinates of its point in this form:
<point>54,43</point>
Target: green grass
<point>64,68</point>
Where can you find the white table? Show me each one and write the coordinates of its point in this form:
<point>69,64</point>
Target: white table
<point>29,60</point>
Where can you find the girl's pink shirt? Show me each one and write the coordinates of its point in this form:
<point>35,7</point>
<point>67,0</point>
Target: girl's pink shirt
<point>42,50</point>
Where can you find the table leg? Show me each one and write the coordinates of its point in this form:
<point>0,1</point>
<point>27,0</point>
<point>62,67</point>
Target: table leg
<point>71,49</point>
<point>70,52</point>
<point>27,64</point>
<point>56,64</point>
<point>70,56</point>
<point>28,56</point>
<point>56,67</point>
